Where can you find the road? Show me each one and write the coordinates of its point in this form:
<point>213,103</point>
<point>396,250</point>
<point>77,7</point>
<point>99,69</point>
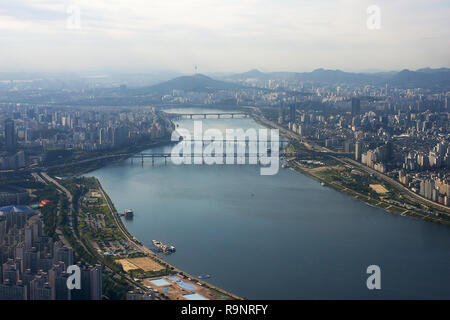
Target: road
<point>71,211</point>
<point>38,178</point>
<point>123,154</point>
<point>58,231</point>
<point>293,135</point>
<point>122,227</point>
<point>147,251</point>
<point>405,191</point>
<point>69,196</point>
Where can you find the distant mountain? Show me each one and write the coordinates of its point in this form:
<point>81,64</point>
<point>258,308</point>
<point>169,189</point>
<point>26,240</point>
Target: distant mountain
<point>424,78</point>
<point>337,76</point>
<point>198,83</point>
<point>430,70</point>
<point>318,75</point>
<point>252,74</point>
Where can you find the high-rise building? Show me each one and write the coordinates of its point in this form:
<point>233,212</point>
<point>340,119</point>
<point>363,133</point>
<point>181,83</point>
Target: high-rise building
<point>292,114</point>
<point>91,284</point>
<point>349,146</point>
<point>10,291</point>
<point>356,106</point>
<point>10,135</point>
<point>34,267</point>
<point>62,253</point>
<point>40,288</point>
<point>358,151</point>
<point>58,279</point>
<point>96,282</point>
<point>280,115</point>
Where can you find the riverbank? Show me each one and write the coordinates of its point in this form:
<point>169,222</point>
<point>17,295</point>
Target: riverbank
<point>147,252</point>
<point>78,168</point>
<point>368,200</point>
<point>392,207</point>
<point>84,166</point>
<point>263,237</point>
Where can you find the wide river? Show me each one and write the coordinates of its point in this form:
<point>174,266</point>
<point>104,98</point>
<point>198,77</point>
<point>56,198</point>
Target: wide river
<point>280,236</point>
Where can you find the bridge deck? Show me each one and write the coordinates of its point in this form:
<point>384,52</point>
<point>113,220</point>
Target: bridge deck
<point>205,115</point>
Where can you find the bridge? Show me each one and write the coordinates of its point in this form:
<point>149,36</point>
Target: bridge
<point>282,143</point>
<point>206,115</point>
<point>235,155</point>
<point>153,156</point>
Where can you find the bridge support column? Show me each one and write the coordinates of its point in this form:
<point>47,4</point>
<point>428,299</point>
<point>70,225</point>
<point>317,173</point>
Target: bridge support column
<point>204,116</point>
<point>165,160</point>
<point>142,160</point>
<point>232,115</point>
<point>190,116</point>
<point>218,116</point>
<point>153,160</point>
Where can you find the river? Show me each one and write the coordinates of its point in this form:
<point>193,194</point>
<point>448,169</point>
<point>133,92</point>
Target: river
<point>280,236</point>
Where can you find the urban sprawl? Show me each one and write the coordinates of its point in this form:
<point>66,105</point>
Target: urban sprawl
<point>382,140</point>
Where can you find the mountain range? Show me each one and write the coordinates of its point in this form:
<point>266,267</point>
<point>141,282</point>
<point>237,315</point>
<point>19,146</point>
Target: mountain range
<point>421,78</point>
<point>196,83</point>
<point>437,79</point>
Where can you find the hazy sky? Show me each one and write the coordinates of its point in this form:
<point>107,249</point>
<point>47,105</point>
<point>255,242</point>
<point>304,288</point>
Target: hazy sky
<point>225,35</point>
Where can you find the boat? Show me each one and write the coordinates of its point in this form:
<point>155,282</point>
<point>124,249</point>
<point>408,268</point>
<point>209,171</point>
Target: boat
<point>323,184</point>
<point>207,276</point>
<point>128,213</point>
<point>164,248</point>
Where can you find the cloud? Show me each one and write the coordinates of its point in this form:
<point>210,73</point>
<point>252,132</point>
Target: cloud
<point>223,35</point>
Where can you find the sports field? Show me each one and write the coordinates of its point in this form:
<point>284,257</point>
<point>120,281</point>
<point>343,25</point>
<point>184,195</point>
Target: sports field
<point>378,188</point>
<point>144,263</point>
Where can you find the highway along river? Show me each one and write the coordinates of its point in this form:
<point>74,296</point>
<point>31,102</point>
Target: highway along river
<point>280,236</point>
